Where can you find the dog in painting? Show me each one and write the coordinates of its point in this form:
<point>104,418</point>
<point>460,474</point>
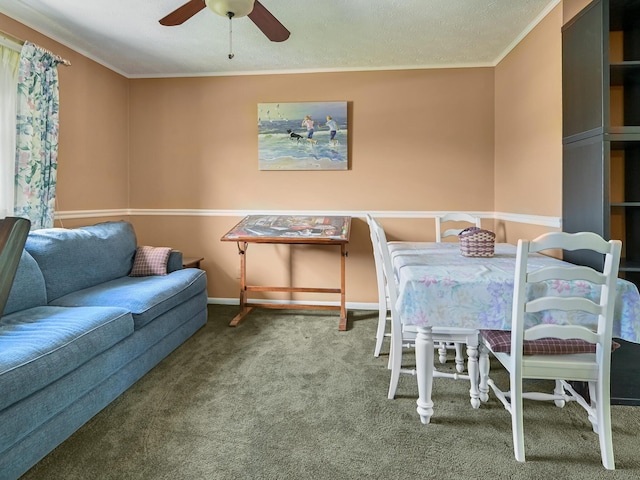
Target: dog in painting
<point>294,136</point>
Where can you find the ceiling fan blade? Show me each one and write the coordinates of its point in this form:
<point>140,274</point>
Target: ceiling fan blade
<point>182,14</point>
<point>270,26</point>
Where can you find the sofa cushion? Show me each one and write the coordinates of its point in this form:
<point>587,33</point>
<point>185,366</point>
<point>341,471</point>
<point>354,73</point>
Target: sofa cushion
<point>145,297</point>
<point>73,259</point>
<point>150,261</point>
<point>28,289</point>
<point>42,344</point>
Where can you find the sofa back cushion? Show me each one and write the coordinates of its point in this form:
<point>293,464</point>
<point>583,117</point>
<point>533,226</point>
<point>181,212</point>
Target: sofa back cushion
<point>73,259</point>
<point>28,288</point>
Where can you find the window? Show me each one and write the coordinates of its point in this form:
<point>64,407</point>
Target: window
<point>9,60</point>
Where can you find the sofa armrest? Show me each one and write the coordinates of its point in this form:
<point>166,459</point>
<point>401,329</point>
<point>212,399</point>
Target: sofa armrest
<point>175,261</point>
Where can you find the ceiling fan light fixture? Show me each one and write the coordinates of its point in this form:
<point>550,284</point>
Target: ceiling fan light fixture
<point>239,8</point>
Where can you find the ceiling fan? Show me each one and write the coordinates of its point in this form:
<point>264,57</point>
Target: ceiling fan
<point>263,19</point>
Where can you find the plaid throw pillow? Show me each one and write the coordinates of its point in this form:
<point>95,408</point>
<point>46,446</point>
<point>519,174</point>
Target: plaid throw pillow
<point>150,261</point>
<point>500,341</point>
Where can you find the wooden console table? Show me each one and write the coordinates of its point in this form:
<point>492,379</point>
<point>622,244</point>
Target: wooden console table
<point>305,230</point>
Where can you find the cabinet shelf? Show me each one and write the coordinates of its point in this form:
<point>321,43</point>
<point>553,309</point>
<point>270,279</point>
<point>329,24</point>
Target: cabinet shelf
<point>620,11</point>
<point>629,265</point>
<point>626,204</point>
<point>623,136</point>
<point>624,73</point>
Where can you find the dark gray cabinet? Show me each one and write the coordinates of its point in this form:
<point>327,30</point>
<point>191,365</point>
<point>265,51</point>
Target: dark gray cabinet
<point>601,147</point>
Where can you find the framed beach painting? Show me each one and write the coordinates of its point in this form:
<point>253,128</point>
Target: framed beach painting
<point>302,136</point>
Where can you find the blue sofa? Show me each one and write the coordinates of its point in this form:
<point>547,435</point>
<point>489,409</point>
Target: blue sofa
<point>77,331</point>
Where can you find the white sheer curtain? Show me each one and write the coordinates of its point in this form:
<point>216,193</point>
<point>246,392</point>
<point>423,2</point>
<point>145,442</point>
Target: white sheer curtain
<point>9,61</point>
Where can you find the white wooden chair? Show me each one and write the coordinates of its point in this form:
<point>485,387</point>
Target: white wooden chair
<point>403,336</point>
<point>384,316</point>
<point>453,218</point>
<point>383,293</point>
<point>558,352</point>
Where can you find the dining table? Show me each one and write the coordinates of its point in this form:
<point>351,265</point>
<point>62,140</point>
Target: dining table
<point>439,287</point>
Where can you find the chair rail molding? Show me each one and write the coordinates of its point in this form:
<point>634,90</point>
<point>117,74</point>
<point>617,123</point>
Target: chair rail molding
<point>543,220</point>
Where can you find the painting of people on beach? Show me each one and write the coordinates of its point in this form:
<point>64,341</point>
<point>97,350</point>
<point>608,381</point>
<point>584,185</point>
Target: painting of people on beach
<point>302,136</point>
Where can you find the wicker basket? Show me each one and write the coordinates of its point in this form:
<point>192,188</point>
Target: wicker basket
<point>476,242</point>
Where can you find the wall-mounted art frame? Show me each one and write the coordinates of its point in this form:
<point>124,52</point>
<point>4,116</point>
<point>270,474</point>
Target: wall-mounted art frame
<point>303,136</point>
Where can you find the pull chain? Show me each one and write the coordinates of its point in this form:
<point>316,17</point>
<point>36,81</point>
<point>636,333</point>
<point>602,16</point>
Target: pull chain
<point>230,15</point>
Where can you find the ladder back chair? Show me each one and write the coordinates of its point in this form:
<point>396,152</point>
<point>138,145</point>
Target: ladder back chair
<point>403,336</point>
<point>384,317</point>
<point>383,293</point>
<point>541,345</point>
<point>450,219</point>
<point>457,217</point>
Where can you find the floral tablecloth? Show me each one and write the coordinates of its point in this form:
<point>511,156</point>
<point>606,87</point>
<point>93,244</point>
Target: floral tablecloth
<point>440,287</point>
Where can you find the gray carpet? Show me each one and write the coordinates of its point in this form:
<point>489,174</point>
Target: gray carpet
<point>286,396</point>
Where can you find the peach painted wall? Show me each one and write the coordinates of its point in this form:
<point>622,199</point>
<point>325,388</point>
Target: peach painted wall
<point>411,134</point>
<point>528,128</point>
<point>419,140</point>
<point>571,7</point>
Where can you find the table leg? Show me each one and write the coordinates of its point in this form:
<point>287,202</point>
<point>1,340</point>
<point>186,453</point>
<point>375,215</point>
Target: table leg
<point>424,373</point>
<point>484,373</point>
<point>472,368</point>
<point>342,326</point>
<point>244,308</point>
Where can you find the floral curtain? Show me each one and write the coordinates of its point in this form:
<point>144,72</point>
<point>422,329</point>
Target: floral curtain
<point>9,60</point>
<point>37,136</point>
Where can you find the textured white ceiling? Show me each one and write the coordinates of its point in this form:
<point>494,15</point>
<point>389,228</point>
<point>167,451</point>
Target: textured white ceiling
<point>327,35</point>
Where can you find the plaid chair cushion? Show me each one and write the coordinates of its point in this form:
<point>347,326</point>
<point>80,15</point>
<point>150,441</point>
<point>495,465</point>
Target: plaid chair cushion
<point>150,261</point>
<point>500,341</point>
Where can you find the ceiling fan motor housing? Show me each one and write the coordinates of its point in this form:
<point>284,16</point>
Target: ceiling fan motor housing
<point>239,8</point>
